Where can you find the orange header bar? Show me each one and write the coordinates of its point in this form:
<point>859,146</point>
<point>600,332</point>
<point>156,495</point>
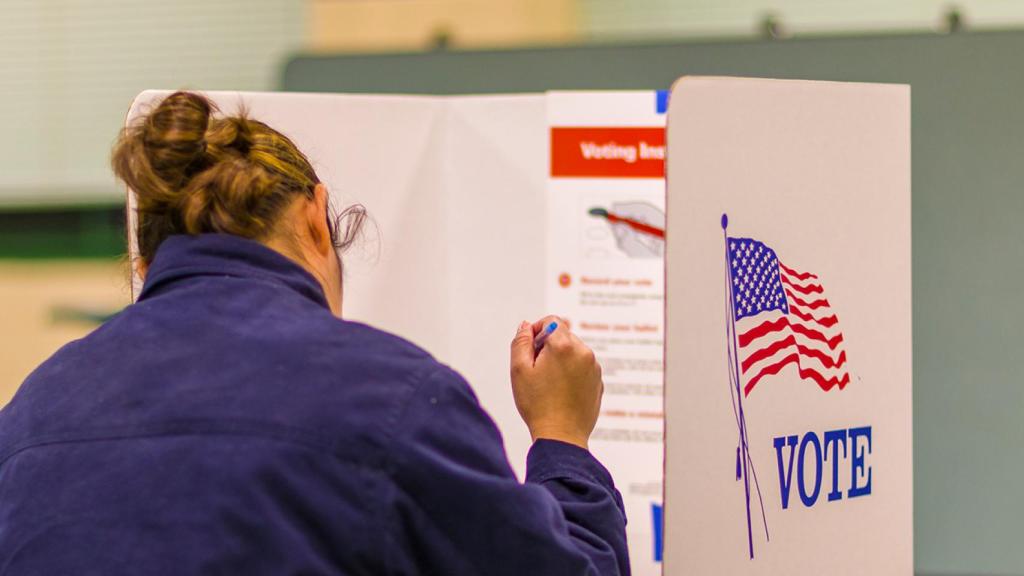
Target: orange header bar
<point>607,152</point>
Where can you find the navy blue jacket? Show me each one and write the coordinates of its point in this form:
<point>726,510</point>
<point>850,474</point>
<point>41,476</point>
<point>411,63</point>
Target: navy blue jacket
<point>227,423</point>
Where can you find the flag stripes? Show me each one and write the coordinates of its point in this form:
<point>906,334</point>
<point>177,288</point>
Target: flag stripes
<point>782,318</point>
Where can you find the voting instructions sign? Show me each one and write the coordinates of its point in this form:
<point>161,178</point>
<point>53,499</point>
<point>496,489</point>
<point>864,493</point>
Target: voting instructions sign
<point>605,275</point>
<point>788,329</point>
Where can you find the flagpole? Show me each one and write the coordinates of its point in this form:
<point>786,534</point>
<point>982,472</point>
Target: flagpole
<point>739,392</point>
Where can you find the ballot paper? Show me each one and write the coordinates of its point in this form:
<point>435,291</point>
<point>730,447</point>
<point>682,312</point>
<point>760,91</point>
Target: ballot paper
<point>605,270</point>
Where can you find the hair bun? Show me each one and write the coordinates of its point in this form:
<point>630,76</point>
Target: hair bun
<point>174,137</point>
<point>231,137</point>
<point>193,171</point>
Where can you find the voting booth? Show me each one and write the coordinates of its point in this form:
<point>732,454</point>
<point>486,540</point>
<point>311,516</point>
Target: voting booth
<point>488,210</point>
<point>788,346</point>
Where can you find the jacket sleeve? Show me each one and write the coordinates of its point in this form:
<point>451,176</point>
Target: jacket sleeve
<point>461,510</point>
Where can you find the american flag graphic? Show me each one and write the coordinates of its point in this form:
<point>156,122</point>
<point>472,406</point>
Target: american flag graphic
<point>782,317</point>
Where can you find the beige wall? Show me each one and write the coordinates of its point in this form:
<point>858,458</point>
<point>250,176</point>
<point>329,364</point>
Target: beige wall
<point>358,25</point>
<point>35,298</point>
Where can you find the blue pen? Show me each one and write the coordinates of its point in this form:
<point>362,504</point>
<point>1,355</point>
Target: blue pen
<point>542,337</point>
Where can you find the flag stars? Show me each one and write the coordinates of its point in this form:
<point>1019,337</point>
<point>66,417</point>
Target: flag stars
<point>756,278</point>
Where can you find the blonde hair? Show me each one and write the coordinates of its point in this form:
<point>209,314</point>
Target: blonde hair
<point>193,172</point>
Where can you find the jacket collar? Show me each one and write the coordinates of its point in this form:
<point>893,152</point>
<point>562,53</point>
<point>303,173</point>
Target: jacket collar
<point>182,257</point>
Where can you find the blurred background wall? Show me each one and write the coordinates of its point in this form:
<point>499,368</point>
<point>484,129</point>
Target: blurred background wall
<point>415,24</point>
<point>614,18</point>
<point>69,69</point>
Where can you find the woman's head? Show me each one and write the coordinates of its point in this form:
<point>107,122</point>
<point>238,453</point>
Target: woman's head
<point>194,171</point>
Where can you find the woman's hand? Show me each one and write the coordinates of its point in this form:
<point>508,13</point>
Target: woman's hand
<point>558,392</point>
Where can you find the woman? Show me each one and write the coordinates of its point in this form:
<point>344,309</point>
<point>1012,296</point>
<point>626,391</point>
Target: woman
<point>230,422</point>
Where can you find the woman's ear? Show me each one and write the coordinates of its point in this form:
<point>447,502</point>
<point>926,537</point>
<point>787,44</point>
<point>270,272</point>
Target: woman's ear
<point>316,219</point>
<point>140,267</point>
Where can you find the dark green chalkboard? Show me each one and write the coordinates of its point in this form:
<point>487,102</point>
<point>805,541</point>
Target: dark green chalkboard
<point>968,180</point>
